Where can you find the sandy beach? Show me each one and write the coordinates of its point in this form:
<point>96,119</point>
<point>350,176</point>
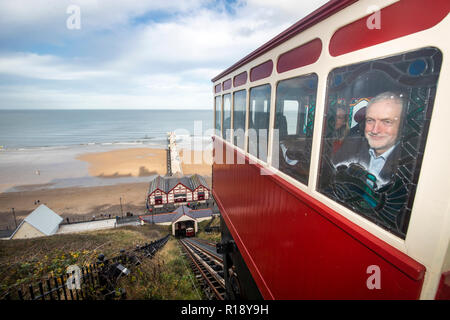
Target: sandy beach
<point>77,202</point>
<point>141,162</point>
<point>136,162</point>
<point>73,202</point>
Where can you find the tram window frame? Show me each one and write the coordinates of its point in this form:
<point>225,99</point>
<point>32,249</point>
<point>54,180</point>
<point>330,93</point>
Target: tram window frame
<point>292,153</point>
<point>400,88</point>
<point>226,123</point>
<point>218,105</point>
<point>239,136</point>
<point>254,136</point>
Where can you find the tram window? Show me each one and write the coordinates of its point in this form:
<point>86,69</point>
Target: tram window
<point>294,122</point>
<point>217,125</point>
<point>371,162</point>
<point>226,116</point>
<point>259,121</point>
<point>239,112</point>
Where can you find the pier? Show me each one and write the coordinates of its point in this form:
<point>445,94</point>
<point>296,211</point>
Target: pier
<point>173,158</point>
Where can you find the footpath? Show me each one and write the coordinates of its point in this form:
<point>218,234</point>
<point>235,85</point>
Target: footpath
<point>93,225</point>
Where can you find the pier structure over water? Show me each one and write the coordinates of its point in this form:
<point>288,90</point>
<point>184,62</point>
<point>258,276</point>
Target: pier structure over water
<point>173,158</point>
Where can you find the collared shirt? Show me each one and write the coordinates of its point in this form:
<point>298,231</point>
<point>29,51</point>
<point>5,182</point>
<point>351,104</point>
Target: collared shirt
<point>377,163</point>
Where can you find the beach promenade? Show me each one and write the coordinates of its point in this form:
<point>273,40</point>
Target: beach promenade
<point>92,226</point>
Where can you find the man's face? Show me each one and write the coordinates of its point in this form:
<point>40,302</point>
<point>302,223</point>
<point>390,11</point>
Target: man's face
<point>382,124</point>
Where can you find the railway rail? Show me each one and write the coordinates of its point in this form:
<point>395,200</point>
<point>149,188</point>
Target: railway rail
<point>207,266</point>
<point>207,247</point>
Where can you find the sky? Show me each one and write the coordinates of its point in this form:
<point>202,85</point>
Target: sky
<point>129,54</point>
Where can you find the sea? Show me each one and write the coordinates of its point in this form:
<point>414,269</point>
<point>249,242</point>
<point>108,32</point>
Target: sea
<point>38,148</point>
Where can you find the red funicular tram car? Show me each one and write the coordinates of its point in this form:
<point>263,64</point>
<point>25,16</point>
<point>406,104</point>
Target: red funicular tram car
<point>331,160</point>
<point>190,232</point>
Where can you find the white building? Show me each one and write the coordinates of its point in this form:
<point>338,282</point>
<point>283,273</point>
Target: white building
<point>41,222</point>
<point>164,190</point>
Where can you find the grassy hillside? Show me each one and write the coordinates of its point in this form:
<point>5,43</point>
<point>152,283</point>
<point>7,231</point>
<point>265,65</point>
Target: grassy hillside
<point>214,236</point>
<point>165,277</point>
<point>23,262</point>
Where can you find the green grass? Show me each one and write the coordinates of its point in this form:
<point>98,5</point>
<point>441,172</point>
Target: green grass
<point>213,237</point>
<point>165,277</point>
<point>24,262</point>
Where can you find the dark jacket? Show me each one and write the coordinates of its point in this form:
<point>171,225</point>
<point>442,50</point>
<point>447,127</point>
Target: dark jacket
<point>355,149</point>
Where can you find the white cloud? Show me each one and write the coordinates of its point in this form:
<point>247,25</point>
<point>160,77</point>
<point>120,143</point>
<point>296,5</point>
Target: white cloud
<point>46,67</point>
<point>206,38</point>
<point>175,96</point>
<point>95,13</point>
<point>115,62</point>
<point>288,6</point>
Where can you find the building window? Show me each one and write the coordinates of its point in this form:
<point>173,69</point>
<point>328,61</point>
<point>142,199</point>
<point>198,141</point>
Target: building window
<point>294,123</point>
<point>259,121</point>
<point>375,130</point>
<point>180,197</point>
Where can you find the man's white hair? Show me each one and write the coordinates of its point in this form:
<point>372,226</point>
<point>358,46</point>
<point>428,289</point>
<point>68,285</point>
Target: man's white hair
<point>398,98</point>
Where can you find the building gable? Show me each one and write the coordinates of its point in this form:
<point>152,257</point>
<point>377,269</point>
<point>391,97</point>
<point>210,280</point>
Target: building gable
<point>173,189</point>
<point>158,192</point>
<point>26,231</point>
<point>44,219</point>
<point>179,186</point>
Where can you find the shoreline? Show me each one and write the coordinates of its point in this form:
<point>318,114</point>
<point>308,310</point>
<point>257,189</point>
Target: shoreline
<point>75,202</point>
<point>124,175</point>
<point>134,162</point>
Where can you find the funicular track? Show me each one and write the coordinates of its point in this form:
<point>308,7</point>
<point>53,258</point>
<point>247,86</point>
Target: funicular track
<point>206,267</point>
<point>205,247</point>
